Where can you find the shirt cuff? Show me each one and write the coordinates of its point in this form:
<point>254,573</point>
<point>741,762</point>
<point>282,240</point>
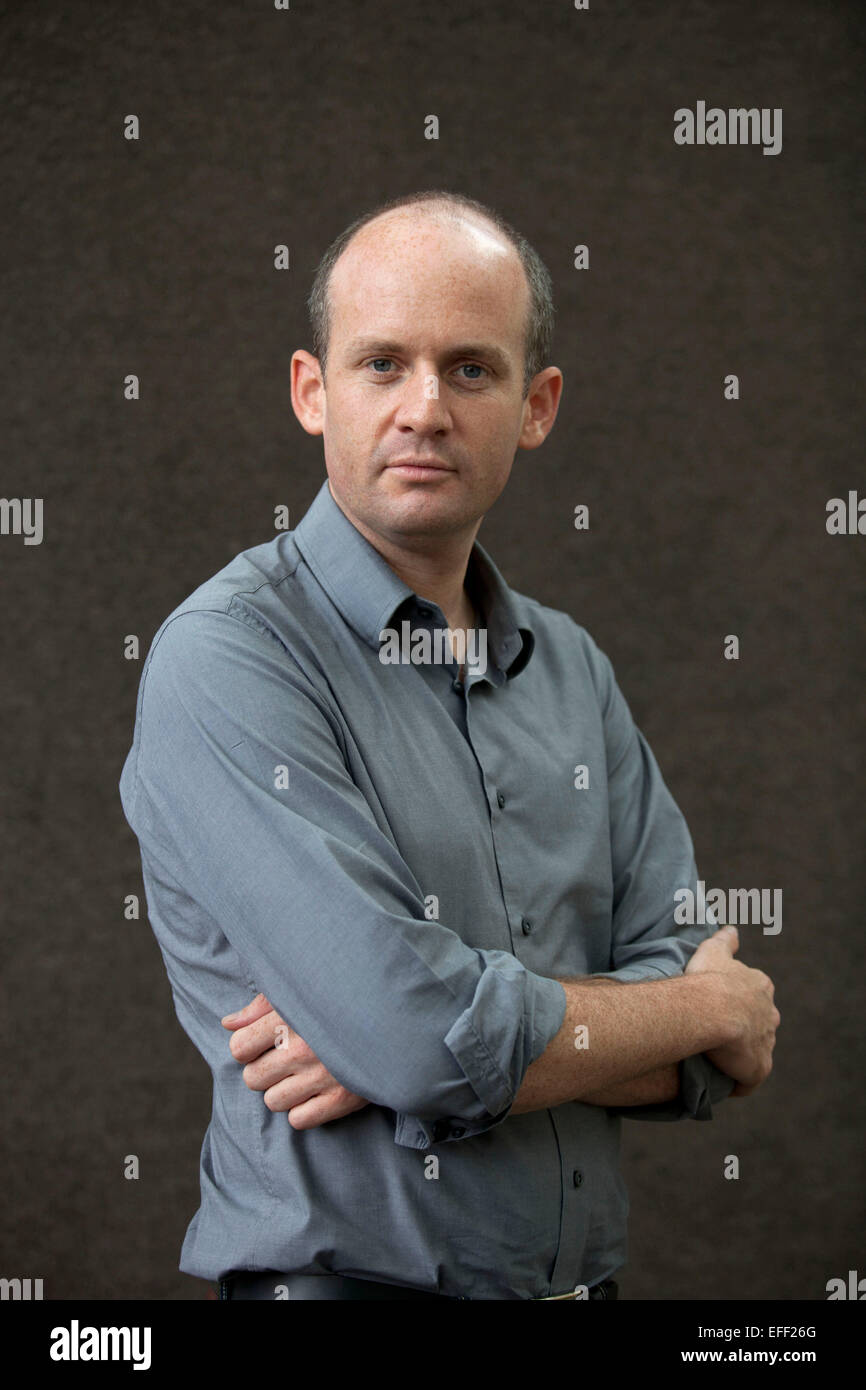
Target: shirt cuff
<point>493,1013</point>
<point>702,1086</point>
<point>635,974</point>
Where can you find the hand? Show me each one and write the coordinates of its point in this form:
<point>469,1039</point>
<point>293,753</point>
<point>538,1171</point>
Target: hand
<point>281,1064</point>
<point>749,996</point>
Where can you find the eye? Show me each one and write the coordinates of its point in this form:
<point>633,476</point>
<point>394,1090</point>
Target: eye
<point>374,360</point>
<point>473,367</point>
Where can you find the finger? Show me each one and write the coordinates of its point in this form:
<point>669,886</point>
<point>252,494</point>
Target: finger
<point>288,1094</point>
<point>250,1041</point>
<point>248,1014</point>
<point>741,1090</point>
<point>324,1108</point>
<point>267,1071</point>
<point>277,1064</point>
<point>730,937</point>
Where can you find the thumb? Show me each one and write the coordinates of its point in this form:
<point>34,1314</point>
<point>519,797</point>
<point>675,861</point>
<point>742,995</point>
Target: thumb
<point>257,1008</point>
<point>730,936</point>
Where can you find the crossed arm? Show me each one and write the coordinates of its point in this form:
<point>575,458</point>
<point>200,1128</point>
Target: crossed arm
<point>733,1013</point>
<point>293,1080</point>
<point>279,1063</point>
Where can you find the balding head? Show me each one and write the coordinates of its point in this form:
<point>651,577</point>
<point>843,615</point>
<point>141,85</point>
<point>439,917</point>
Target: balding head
<point>403,267</point>
<point>487,235</point>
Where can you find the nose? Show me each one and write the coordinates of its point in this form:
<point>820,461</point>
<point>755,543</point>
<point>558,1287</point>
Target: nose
<point>421,407</point>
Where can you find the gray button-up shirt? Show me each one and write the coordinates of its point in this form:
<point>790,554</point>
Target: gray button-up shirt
<point>403,863</point>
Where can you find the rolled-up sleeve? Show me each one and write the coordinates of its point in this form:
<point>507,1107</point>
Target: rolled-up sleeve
<point>652,857</point>
<point>241,788</point>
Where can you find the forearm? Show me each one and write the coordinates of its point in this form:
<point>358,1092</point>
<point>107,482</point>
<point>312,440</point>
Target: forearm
<point>651,1088</point>
<point>634,1037</point>
<point>663,1083</point>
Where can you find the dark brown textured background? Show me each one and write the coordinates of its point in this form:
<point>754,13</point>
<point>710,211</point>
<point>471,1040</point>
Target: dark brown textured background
<point>707,518</point>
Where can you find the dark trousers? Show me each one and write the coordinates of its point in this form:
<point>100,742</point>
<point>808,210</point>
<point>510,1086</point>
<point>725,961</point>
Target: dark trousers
<point>261,1284</point>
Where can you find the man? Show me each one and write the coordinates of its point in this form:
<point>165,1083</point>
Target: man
<point>417,865</point>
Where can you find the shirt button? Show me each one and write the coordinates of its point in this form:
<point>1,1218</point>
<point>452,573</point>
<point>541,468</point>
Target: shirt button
<point>577,1177</point>
<point>458,1132</point>
<point>426,612</point>
<point>457,685</point>
<point>526,925</point>
<point>440,1130</point>
<point>500,799</point>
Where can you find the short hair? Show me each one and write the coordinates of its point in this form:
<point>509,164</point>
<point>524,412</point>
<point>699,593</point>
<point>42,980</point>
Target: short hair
<point>539,330</point>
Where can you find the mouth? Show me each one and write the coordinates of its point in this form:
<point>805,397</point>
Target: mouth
<point>419,467</point>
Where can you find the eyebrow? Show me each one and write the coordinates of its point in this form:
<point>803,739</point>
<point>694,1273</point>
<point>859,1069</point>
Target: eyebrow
<point>487,351</point>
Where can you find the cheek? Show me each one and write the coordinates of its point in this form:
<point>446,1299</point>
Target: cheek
<point>342,428</point>
<point>498,439</point>
<point>356,418</point>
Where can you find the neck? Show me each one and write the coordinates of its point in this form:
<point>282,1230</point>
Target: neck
<point>433,567</point>
<point>439,582</point>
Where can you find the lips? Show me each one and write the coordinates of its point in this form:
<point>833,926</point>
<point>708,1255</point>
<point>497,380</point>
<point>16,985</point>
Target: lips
<point>421,463</point>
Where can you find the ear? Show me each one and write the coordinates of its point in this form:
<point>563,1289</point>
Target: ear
<point>540,407</point>
<point>308,391</point>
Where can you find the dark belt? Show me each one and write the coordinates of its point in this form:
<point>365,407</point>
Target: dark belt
<point>246,1284</point>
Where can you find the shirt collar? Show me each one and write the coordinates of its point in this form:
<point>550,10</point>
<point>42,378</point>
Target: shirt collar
<point>368,593</point>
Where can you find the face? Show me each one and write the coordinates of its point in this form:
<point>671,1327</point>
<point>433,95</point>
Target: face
<point>423,408</point>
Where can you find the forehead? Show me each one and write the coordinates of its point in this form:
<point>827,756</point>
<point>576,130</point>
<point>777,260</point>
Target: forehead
<point>425,275</point>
